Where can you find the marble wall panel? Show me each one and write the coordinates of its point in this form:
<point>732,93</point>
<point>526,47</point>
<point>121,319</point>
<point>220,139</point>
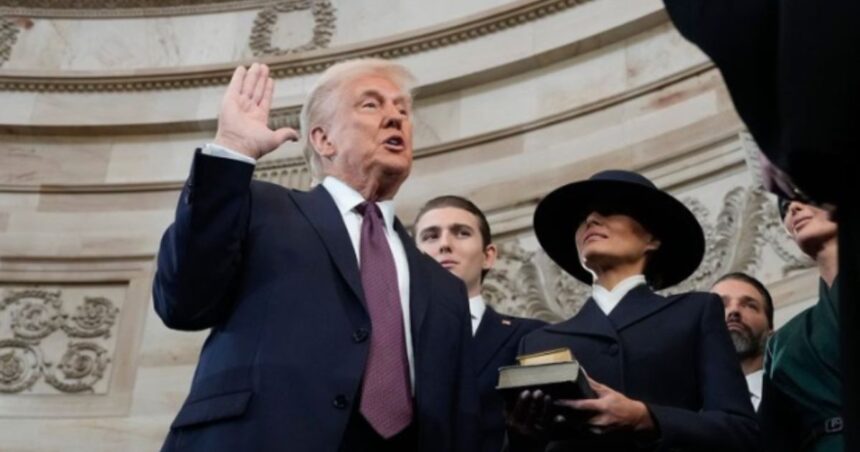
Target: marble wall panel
<point>115,232</point>
<point>364,22</point>
<point>124,108</point>
<point>163,42</point>
<point>26,161</point>
<point>524,46</point>
<point>132,43</point>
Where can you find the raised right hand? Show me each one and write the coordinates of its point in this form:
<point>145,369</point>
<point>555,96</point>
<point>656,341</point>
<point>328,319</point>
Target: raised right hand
<point>244,115</point>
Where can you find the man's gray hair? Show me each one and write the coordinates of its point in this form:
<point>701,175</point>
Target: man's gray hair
<point>321,103</point>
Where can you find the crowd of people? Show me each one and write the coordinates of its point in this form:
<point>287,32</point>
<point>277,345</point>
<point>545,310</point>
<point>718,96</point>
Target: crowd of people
<point>334,329</point>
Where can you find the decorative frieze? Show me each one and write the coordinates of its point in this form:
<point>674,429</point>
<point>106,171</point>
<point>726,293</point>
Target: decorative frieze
<point>291,172</point>
<point>65,342</point>
<point>8,36</point>
<point>70,334</point>
<point>323,28</point>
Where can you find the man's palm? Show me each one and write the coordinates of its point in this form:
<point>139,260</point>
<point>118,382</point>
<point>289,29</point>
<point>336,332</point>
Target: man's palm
<point>243,119</point>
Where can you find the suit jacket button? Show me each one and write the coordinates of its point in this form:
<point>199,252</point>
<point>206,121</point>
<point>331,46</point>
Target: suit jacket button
<point>360,335</point>
<point>340,402</point>
<point>612,349</point>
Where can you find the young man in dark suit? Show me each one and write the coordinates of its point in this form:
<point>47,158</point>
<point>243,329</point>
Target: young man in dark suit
<point>456,233</point>
<point>330,331</point>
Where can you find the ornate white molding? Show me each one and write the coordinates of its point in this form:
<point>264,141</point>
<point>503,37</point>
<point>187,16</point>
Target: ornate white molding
<point>324,26</point>
<point>97,9</point>
<point>423,40</point>
<point>8,36</point>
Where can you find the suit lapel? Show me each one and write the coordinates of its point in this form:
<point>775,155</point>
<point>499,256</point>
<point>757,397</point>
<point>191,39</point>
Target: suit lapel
<point>419,285</point>
<point>321,211</point>
<point>638,304</point>
<point>589,321</point>
<point>491,336</point>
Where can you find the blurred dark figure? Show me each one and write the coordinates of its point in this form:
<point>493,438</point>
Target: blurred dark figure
<point>787,64</point>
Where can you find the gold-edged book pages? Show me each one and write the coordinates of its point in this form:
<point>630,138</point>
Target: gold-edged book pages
<point>556,355</point>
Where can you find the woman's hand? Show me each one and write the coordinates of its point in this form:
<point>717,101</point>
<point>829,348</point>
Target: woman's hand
<point>612,411</point>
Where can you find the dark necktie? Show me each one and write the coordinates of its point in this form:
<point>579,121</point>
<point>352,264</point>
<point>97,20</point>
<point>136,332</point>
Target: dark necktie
<point>386,399</point>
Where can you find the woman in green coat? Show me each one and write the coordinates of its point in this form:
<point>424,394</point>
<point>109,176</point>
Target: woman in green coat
<point>802,391</point>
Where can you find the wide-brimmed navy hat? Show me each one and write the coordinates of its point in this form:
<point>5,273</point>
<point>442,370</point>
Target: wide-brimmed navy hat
<point>682,242</point>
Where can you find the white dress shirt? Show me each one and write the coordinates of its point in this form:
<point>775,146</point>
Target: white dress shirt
<point>754,385</point>
<point>347,199</point>
<point>607,300</point>
<point>220,151</point>
<point>477,309</point>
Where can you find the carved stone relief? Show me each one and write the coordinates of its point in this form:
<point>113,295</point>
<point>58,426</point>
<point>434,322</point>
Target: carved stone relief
<point>290,173</point>
<point>55,341</point>
<point>8,36</point>
<point>264,24</point>
<point>529,284</point>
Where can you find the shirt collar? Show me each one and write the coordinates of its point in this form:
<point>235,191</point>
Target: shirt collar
<point>754,382</point>
<point>608,299</point>
<point>347,199</point>
<point>477,307</point>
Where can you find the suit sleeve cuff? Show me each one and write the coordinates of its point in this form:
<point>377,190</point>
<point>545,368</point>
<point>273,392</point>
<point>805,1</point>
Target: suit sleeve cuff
<point>215,150</point>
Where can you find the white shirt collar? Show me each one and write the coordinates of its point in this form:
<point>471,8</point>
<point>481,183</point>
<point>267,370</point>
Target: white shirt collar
<point>477,309</point>
<point>754,381</point>
<point>607,300</point>
<point>347,199</point>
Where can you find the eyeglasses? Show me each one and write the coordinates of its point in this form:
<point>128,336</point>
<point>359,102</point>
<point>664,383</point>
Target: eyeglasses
<point>784,204</point>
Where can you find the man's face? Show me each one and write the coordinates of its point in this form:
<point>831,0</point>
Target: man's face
<point>745,316</point>
<point>369,137</point>
<point>452,236</point>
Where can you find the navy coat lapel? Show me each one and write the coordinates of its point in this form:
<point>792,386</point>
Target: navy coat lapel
<point>589,321</point>
<point>639,303</point>
<point>321,211</point>
<point>419,286</point>
<point>492,334</point>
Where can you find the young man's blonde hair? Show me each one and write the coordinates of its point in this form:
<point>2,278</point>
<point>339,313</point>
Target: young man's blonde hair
<point>322,100</point>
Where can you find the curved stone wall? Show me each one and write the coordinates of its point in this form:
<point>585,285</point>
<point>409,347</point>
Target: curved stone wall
<point>102,109</point>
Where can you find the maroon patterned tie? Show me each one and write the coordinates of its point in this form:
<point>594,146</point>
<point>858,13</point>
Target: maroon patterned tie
<point>386,399</point>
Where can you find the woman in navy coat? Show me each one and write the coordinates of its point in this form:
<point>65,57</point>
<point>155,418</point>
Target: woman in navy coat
<point>663,367</point>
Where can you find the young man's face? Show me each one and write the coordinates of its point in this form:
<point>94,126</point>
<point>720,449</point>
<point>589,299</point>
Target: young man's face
<point>452,236</point>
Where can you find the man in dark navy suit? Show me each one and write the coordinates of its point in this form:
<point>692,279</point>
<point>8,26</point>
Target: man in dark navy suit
<point>330,331</point>
<point>455,232</point>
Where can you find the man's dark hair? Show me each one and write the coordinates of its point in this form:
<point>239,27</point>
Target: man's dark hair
<point>743,277</point>
<point>458,202</point>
